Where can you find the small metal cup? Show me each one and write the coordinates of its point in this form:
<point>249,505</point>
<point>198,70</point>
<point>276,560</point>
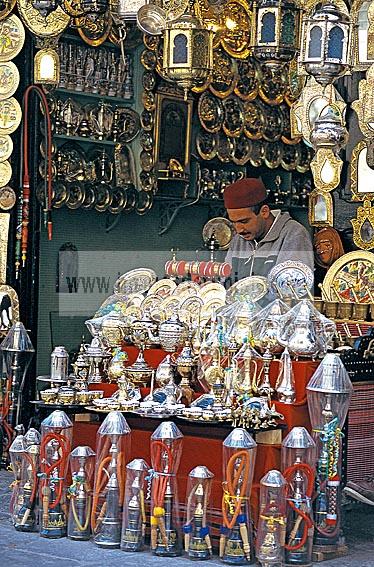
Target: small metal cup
<point>372,311</point>
<point>318,304</point>
<point>345,310</point>
<point>360,311</point>
<point>331,309</point>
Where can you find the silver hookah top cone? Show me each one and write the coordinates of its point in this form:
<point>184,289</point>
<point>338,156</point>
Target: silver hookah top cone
<point>298,438</point>
<point>240,438</point>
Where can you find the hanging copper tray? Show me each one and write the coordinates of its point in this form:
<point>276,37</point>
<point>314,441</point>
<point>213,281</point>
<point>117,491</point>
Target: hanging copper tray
<point>272,85</point>
<point>210,111</point>
<point>273,124</point>
<point>237,36</point>
<point>242,150</point>
<point>206,145</point>
<point>254,120</point>
<point>256,155</point>
<point>247,85</point>
<point>224,75</point>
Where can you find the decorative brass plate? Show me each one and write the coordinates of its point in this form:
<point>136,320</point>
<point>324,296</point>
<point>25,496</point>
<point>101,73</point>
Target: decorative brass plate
<point>254,120</point>
<point>128,124</point>
<point>12,36</point>
<point>103,197</point>
<point>350,277</point>
<point>272,154</point>
<point>233,124</point>
<point>135,281</point>
<point>7,198</point>
<point>224,75</point>
<point>151,41</point>
<point>206,144</point>
<point>272,85</point>
<point>225,147</point>
<point>146,160</point>
<point>148,80</point>
<point>146,141</point>
<point>75,196</point>
<point>94,28</point>
<point>236,38</point>
<point>149,60</point>
<point>222,229</point>
<point>247,85</point>
<point>10,116</point>
<point>174,8</point>
<point>6,147</point>
<point>273,124</point>
<point>256,155</point>
<point>50,26</point>
<point>148,100</point>
<point>147,120</point>
<point>9,79</point>
<point>210,111</point>
<point>147,181</point>
<point>290,155</point>
<point>252,288</point>
<point>201,85</point>
<point>242,151</point>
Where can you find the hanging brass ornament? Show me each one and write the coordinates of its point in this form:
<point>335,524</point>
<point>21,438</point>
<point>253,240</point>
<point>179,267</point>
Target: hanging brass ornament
<point>47,67</point>
<point>363,226</point>
<point>188,51</point>
<point>50,25</point>
<point>364,108</point>
<point>325,42</point>
<point>275,31</point>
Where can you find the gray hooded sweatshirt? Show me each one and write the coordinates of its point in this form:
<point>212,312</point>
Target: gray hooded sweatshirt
<point>287,239</point>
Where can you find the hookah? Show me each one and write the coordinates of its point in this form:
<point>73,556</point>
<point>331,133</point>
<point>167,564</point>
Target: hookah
<point>328,393</point>
<point>26,520</point>
<point>134,515</point>
<point>239,453</point>
<point>80,493</point>
<point>56,431</point>
<point>272,520</point>
<point>16,453</point>
<point>297,451</point>
<point>112,447</point>
<point>197,542</point>
<point>166,451</point>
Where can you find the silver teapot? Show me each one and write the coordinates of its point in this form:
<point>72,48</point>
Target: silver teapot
<point>171,333</point>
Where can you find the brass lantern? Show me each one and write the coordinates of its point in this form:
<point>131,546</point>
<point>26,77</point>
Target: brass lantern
<point>275,30</point>
<point>188,51</point>
<point>325,43</point>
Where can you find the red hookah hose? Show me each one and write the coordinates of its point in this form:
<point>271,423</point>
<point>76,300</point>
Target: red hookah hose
<point>288,474</point>
<point>60,464</point>
<point>34,477</point>
<point>26,176</point>
<point>232,481</point>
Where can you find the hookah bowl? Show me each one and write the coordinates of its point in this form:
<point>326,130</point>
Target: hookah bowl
<point>134,516</point>
<point>80,493</point>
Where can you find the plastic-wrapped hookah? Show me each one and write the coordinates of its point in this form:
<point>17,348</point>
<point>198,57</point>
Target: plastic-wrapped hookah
<point>166,452</point>
<point>272,520</point>
<point>297,453</point>
<point>134,515</point>
<point>239,454</point>
<point>82,464</point>
<point>24,456</point>
<point>197,542</point>
<point>112,450</point>
<point>328,392</point>
<point>55,447</point>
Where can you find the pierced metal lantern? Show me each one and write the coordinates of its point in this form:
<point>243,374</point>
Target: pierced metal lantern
<point>275,31</point>
<point>188,51</point>
<point>325,43</point>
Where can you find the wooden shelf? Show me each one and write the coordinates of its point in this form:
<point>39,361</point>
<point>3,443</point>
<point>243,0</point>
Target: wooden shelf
<point>96,96</point>
<point>85,140</point>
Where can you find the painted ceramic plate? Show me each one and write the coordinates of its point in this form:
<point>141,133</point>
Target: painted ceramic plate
<point>291,279</point>
<point>12,37</point>
<point>212,291</point>
<point>170,305</point>
<point>190,309</point>
<point>211,306</point>
<point>251,289</point>
<point>9,79</point>
<point>6,147</point>
<point>10,115</point>
<point>135,299</point>
<point>351,278</point>
<point>187,289</point>
<point>152,301</point>
<point>135,281</point>
<point>162,288</point>
<point>222,229</point>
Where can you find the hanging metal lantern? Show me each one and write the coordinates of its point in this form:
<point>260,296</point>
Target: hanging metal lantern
<point>275,30</point>
<point>329,130</point>
<point>188,51</point>
<point>325,43</point>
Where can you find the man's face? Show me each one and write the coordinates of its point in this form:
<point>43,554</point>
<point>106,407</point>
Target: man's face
<point>248,225</point>
<point>324,250</point>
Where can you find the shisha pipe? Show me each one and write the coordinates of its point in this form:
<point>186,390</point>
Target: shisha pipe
<point>23,212</point>
<point>293,475</point>
<point>197,542</point>
<point>30,488</point>
<point>162,460</point>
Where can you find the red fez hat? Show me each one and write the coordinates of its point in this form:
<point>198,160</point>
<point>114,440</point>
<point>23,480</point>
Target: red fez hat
<point>244,193</point>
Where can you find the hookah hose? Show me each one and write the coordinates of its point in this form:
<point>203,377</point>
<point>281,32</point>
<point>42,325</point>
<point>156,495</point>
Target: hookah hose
<point>235,488</point>
<point>82,527</point>
<point>33,491</point>
<point>23,214</point>
<point>159,485</point>
<point>59,465</point>
<point>4,414</point>
<point>302,516</point>
<point>101,480</point>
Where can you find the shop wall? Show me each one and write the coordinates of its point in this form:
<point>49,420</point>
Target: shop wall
<point>133,243</point>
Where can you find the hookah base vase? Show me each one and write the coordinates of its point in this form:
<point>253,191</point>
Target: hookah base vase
<point>198,549</point>
<point>173,549</point>
<point>55,527</point>
<point>132,540</point>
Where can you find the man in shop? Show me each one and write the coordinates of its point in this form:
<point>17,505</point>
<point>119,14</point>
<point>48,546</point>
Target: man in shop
<point>264,237</point>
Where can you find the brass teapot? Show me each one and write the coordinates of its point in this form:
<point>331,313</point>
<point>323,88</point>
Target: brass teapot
<point>172,333</point>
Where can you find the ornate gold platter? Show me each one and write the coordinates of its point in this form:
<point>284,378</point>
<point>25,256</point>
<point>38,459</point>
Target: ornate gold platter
<point>162,288</point>
<point>210,111</point>
<point>206,145</point>
<point>222,230</point>
<point>351,278</point>
<point>43,26</point>
<point>6,147</point>
<point>135,281</point>
<point>9,79</point>
<point>12,36</point>
<point>10,115</point>
<point>252,289</point>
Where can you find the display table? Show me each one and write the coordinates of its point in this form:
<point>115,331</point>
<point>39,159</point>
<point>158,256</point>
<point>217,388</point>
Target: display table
<point>203,442</point>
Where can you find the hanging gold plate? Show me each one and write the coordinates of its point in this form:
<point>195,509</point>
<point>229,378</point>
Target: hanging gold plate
<point>94,29</point>
<point>6,147</point>
<point>9,79</point>
<point>9,5</point>
<point>10,116</point>
<point>236,21</point>
<point>211,113</point>
<point>351,278</point>
<point>174,8</point>
<point>233,124</point>
<point>12,37</point>
<point>49,26</point>
<point>272,85</point>
<point>206,144</point>
<point>254,120</point>
<point>272,154</point>
<point>224,75</point>
<point>5,173</point>
<point>289,157</point>
<point>247,84</point>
